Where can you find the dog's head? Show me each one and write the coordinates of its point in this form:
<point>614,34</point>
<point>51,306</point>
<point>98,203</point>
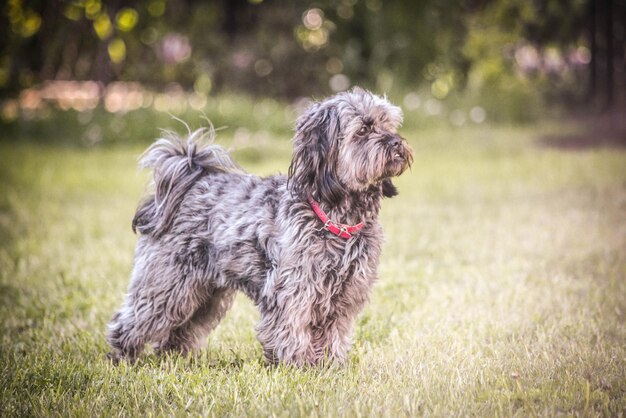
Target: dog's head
<point>348,143</point>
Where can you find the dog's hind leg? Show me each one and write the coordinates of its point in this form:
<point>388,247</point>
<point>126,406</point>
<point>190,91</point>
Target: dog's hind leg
<point>152,315</point>
<point>164,295</point>
<point>128,329</point>
<point>125,342</point>
<point>193,333</point>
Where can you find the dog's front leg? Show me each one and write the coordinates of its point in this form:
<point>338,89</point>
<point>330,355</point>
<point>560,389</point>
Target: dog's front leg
<point>283,342</point>
<point>334,337</point>
<point>285,335</point>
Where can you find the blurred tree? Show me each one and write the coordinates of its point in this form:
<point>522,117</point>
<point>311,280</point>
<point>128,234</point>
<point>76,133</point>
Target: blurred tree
<point>291,48</point>
<point>607,33</point>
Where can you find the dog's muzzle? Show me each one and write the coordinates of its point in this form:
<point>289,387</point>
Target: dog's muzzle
<point>399,151</point>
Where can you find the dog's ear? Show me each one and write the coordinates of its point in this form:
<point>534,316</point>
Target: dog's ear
<point>315,152</point>
<point>389,190</point>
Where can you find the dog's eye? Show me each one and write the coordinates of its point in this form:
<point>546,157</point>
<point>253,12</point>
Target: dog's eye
<point>363,130</point>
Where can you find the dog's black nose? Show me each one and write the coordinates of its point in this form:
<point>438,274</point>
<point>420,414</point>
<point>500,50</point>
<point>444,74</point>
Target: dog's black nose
<point>395,141</point>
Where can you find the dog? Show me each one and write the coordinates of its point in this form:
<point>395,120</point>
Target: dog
<point>303,247</point>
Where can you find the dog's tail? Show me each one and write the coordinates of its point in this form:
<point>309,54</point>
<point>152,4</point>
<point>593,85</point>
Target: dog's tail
<point>177,163</point>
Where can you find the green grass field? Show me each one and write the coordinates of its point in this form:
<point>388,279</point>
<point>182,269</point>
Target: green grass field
<point>502,290</point>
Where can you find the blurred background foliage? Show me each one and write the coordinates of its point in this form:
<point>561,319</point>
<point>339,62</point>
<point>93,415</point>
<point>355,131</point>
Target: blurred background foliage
<point>458,61</point>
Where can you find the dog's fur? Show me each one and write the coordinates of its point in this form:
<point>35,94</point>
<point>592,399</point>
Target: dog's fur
<point>209,229</point>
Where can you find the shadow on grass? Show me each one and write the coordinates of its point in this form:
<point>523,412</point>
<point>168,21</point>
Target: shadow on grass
<point>227,361</point>
<point>190,362</point>
<point>607,130</point>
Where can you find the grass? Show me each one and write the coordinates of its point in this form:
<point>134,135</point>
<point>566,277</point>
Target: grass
<point>502,290</point>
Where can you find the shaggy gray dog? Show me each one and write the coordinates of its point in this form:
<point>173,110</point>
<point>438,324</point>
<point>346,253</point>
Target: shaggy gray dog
<point>209,229</point>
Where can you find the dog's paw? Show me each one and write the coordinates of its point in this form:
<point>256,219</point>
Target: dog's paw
<point>115,357</point>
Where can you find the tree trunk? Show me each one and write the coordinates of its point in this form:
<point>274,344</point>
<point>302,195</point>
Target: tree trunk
<point>593,46</point>
<point>609,54</point>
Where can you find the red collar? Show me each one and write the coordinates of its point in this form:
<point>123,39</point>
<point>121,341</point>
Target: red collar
<point>341,230</point>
